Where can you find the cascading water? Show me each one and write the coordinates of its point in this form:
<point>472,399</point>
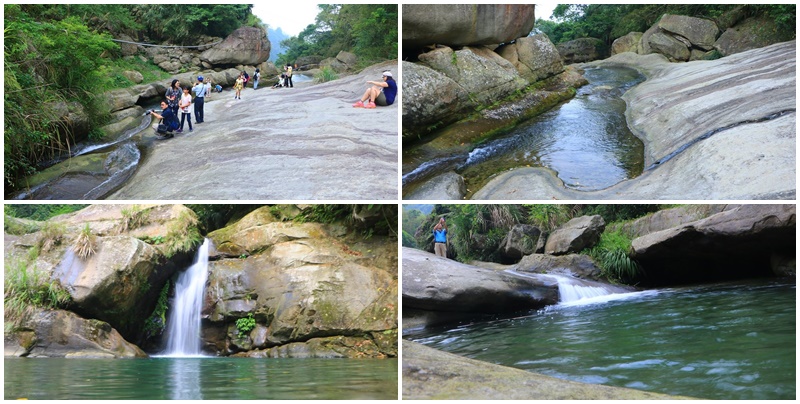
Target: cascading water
<point>573,291</point>
<point>183,324</point>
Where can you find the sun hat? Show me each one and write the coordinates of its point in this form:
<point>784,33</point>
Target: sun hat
<point>387,73</point>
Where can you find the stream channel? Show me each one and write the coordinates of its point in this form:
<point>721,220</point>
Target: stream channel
<point>585,140</point>
<point>720,341</point>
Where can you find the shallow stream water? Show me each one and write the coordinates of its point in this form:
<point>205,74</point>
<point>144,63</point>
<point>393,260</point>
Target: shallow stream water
<point>586,140</point>
<point>724,341</point>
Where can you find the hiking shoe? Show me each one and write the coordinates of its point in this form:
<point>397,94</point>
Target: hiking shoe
<point>370,105</point>
<point>179,131</point>
<point>359,104</point>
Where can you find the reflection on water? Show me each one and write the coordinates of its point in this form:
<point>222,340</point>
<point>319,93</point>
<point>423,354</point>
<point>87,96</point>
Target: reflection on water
<point>185,376</point>
<point>731,341</point>
<point>194,379</point>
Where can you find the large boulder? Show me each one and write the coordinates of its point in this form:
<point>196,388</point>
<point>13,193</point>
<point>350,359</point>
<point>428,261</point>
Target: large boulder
<point>438,284</point>
<point>751,33</point>
<point>62,334</point>
<point>575,235</point>
<point>669,46</point>
<point>739,242</point>
<point>121,99</point>
<point>581,50</point>
<point>120,282</point>
<point>244,46</point>
<point>447,186</point>
<point>534,57</point>
<point>521,240</point>
<point>627,43</point>
<point>575,265</point>
<point>299,282</point>
<point>465,24</point>
<point>429,97</point>
<point>448,82</point>
<point>669,218</point>
<point>701,33</point>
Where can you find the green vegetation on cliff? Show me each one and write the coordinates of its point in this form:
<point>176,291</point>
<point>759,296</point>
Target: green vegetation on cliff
<point>611,21</point>
<point>367,30</point>
<point>475,232</point>
<point>59,58</point>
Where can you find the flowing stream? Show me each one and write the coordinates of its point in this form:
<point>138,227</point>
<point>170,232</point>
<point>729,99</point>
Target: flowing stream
<point>722,341</point>
<point>586,141</point>
<point>183,324</point>
<point>92,170</point>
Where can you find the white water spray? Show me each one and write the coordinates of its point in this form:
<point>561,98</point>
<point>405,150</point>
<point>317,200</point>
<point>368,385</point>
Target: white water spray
<point>183,324</point>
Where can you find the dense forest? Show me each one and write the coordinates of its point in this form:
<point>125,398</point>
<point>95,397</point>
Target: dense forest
<point>60,58</point>
<point>367,30</point>
<point>611,21</point>
<point>475,232</point>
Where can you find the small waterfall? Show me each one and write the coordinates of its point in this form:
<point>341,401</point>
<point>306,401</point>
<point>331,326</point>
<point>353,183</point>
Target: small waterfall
<point>183,324</point>
<point>578,291</point>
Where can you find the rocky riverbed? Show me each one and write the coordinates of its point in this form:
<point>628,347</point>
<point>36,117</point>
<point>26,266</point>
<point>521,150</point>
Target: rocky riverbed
<point>722,129</point>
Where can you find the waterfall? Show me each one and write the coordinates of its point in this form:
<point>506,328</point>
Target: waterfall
<point>183,324</point>
<point>574,291</point>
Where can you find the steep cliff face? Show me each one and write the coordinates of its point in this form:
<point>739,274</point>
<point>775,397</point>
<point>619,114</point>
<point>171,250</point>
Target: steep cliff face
<point>312,289</point>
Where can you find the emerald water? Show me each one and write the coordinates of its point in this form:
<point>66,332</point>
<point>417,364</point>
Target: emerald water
<point>725,341</point>
<point>195,379</point>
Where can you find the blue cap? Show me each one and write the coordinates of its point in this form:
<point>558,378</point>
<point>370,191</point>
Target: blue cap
<point>199,78</point>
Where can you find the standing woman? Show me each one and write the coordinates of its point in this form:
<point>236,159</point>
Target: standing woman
<point>173,96</point>
<point>238,86</point>
<point>288,69</point>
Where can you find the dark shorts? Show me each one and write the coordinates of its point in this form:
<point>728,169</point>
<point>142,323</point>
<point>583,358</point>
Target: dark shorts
<point>381,100</point>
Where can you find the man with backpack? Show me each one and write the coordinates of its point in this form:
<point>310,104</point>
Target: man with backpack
<point>256,77</point>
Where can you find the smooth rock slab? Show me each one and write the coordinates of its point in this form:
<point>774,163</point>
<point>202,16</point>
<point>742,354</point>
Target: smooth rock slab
<point>301,143</point>
<point>430,374</point>
<point>676,105</point>
<point>439,284</point>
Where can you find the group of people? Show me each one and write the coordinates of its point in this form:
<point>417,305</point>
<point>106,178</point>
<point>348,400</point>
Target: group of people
<point>178,100</point>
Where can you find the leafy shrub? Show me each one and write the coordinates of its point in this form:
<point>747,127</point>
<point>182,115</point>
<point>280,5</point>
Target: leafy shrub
<point>51,235</point>
<point>132,218</point>
<point>27,288</point>
<point>155,324</point>
<point>246,324</point>
<point>325,75</point>
<point>611,254</point>
<point>182,235</point>
<point>408,240</point>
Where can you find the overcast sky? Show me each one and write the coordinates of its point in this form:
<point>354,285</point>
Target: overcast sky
<point>291,17</point>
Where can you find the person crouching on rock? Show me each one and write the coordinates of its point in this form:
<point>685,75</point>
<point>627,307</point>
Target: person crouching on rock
<point>440,238</point>
<point>168,119</point>
<point>381,93</point>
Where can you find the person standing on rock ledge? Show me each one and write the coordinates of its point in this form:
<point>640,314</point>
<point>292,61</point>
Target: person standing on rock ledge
<point>440,238</point>
<point>381,93</point>
<point>200,91</point>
